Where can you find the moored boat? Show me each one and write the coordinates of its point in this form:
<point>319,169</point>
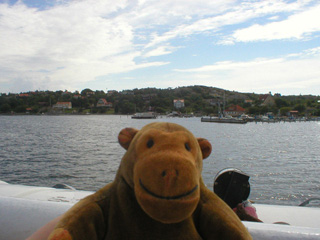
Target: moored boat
<point>223,120</point>
<point>144,115</point>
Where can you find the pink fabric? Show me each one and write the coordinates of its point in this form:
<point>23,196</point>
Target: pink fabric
<point>251,211</point>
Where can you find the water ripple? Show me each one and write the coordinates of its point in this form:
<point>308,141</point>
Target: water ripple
<point>82,151</point>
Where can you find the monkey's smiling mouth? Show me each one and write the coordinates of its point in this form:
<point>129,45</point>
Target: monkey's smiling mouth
<point>167,197</point>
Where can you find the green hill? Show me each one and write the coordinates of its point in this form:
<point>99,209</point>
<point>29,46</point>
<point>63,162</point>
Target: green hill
<point>199,100</point>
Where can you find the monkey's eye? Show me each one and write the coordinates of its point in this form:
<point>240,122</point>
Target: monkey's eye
<point>150,143</point>
<point>187,146</point>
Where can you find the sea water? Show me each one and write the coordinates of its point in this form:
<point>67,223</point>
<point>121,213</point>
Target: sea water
<point>282,159</point>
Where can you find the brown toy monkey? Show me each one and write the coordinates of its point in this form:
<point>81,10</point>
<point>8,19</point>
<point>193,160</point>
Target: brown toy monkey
<point>158,193</point>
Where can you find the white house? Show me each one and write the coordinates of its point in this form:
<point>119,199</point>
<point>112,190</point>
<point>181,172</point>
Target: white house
<point>103,103</point>
<point>178,103</point>
<point>63,105</point>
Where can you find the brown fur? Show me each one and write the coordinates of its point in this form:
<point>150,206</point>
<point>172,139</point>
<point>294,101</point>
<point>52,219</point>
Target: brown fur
<point>158,193</point>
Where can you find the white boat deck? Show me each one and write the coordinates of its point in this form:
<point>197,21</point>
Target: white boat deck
<point>23,209</point>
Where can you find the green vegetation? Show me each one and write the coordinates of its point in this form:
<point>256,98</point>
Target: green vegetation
<point>198,100</point>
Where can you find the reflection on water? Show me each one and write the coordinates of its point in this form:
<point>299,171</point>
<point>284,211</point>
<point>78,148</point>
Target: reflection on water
<point>82,151</point>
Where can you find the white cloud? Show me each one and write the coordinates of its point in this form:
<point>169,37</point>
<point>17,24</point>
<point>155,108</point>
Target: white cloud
<point>159,51</point>
<point>175,12</point>
<point>297,26</point>
<point>76,42</point>
<point>288,74</point>
<point>273,18</point>
<point>227,65</point>
<point>65,45</point>
<point>236,14</point>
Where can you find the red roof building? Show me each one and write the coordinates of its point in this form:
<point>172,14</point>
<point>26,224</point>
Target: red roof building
<point>63,105</point>
<point>103,103</point>
<point>234,110</point>
<point>267,100</point>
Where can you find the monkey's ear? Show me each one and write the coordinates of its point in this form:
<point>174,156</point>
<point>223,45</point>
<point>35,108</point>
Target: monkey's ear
<point>125,137</point>
<point>205,146</point>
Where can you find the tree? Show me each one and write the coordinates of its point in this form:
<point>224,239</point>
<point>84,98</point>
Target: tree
<point>300,108</point>
<point>13,102</point>
<point>210,110</point>
<point>5,108</point>
<point>284,110</point>
<point>20,109</point>
<point>160,110</point>
<point>126,107</point>
<point>258,110</point>
<point>281,103</point>
<point>85,91</point>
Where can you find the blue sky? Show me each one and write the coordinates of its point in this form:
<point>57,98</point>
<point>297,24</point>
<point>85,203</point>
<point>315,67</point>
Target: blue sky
<point>245,46</point>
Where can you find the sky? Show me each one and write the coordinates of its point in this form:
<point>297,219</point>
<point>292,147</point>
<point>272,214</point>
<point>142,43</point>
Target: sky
<point>255,46</point>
